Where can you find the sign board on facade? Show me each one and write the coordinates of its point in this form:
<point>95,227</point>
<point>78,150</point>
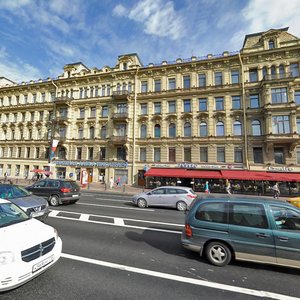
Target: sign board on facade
<point>102,164</point>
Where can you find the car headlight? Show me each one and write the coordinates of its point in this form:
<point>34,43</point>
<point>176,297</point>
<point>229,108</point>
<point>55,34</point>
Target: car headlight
<point>6,257</point>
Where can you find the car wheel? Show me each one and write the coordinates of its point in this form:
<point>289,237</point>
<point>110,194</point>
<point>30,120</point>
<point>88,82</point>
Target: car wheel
<point>142,203</point>
<point>181,206</point>
<point>218,254</point>
<point>54,200</point>
<point>73,201</point>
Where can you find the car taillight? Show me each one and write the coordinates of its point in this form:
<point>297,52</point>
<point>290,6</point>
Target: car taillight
<point>192,196</point>
<point>188,231</point>
<point>65,190</point>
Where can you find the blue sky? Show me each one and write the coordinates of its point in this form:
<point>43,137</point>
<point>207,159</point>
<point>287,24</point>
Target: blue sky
<point>38,37</point>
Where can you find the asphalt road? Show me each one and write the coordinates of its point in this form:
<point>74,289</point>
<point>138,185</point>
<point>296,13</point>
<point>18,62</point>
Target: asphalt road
<point>114,250</point>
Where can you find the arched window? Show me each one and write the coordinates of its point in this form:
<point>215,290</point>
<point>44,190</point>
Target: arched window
<point>80,132</point>
<point>143,133</point>
<point>172,130</point>
<point>273,70</point>
<point>264,72</point>
<point>256,128</point>
<point>157,131</point>
<point>298,125</point>
<point>103,132</point>
<point>281,71</point>
<point>220,129</point>
<point>187,129</point>
<point>203,129</point>
<point>271,44</point>
<point>237,128</point>
<point>92,132</point>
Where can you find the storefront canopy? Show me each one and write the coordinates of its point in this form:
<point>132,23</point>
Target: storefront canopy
<point>223,174</point>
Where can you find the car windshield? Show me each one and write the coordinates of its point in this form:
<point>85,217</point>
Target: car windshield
<point>13,191</point>
<point>11,214</point>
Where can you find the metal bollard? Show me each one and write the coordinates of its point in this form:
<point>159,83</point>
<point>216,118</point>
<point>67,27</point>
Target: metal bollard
<point>123,187</point>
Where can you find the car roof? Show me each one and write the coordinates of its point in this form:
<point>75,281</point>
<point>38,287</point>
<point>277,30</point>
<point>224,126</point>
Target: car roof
<point>4,201</point>
<point>174,186</point>
<point>248,198</point>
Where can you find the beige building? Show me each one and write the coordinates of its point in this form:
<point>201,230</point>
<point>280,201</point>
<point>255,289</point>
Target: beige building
<point>230,111</point>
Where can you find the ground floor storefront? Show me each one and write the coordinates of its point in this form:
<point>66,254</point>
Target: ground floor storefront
<point>241,181</point>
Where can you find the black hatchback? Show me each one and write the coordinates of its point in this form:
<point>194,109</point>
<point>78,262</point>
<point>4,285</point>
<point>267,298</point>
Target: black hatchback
<point>56,191</point>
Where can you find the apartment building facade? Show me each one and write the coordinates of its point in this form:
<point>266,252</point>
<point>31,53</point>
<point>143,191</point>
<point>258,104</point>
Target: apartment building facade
<point>230,111</point>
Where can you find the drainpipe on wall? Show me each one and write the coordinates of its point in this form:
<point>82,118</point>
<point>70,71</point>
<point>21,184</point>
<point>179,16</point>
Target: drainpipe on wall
<point>134,123</point>
<point>244,112</point>
<point>52,166</point>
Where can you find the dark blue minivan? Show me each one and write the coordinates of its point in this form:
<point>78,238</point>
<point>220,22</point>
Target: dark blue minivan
<point>256,229</point>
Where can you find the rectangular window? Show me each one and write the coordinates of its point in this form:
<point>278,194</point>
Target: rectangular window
<point>236,102</point>
<point>172,106</point>
<point>102,153</point>
<point>10,152</point>
<point>171,84</point>
<point>103,90</point>
<point>172,154</point>
<point>157,154</point>
<point>27,152</point>
<point>79,153</point>
<point>104,111</point>
<point>93,112</point>
<point>187,105</point>
<point>157,85</point>
<point>219,103</point>
<point>279,95</point>
<point>254,101</point>
<point>187,154</point>
<point>279,156</point>
<point>202,104</point>
<point>19,152</point>
<point>85,92</point>
<point>143,154</point>
<point>43,97</point>
<point>235,76</point>
<point>144,110</point>
<point>202,80</point>
<point>186,82</point>
<point>218,78</point>
<point>96,91</point>
<point>33,98</point>
<point>253,75</point>
<point>90,153</point>
<point>37,152</point>
<point>26,98</point>
<point>157,108</point>
<point>52,96</point>
<point>258,155</point>
<point>108,90</point>
<point>203,154</point>
<point>220,154</point>
<point>294,68</point>
<point>238,155</point>
<point>144,87</point>
<point>81,113</point>
<point>62,132</point>
<point>63,112</point>
<point>281,124</point>
<point>297,97</point>
<point>121,153</point>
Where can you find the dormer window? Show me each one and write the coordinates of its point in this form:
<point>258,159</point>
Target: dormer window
<point>271,44</point>
<point>125,66</point>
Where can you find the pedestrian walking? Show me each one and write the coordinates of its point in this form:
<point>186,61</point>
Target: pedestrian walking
<point>228,187</point>
<point>119,181</point>
<point>276,191</point>
<point>111,182</point>
<point>206,188</point>
<point>101,178</point>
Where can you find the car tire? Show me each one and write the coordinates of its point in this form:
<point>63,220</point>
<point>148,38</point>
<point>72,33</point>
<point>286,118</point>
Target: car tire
<point>181,206</point>
<point>53,200</point>
<point>141,203</point>
<point>218,253</point>
<point>73,201</point>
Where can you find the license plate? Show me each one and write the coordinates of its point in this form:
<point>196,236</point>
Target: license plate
<point>74,196</point>
<point>42,263</point>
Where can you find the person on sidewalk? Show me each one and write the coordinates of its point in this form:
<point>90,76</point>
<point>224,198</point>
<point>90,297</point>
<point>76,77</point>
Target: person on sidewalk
<point>228,187</point>
<point>206,188</point>
<point>276,191</point>
<point>111,183</point>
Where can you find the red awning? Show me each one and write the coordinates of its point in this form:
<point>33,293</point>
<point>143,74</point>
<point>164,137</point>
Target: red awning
<point>157,172</point>
<point>203,174</point>
<point>244,175</point>
<point>284,176</point>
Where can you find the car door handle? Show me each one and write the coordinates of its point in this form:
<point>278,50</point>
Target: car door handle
<point>283,238</point>
<point>262,235</point>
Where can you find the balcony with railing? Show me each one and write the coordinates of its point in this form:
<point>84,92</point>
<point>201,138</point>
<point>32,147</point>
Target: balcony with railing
<point>280,76</point>
<point>118,140</point>
<point>120,115</point>
<point>120,95</point>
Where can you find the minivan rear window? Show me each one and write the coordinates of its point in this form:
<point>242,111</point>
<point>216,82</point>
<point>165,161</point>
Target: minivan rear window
<point>212,212</point>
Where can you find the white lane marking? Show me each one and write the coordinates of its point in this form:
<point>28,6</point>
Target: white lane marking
<point>53,213</point>
<point>215,285</point>
<point>126,219</point>
<point>121,207</point>
<point>84,217</point>
<point>112,195</point>
<point>113,200</point>
<point>116,224</point>
<point>119,221</point>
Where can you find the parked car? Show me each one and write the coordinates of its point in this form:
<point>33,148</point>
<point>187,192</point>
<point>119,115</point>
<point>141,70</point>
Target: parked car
<point>168,196</point>
<point>56,191</point>
<point>256,229</point>
<point>28,247</point>
<point>34,206</point>
<point>294,201</point>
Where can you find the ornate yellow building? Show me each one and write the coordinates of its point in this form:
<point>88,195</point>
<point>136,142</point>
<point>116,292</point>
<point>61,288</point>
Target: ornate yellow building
<point>230,111</point>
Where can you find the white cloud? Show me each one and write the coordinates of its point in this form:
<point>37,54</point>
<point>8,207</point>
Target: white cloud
<point>263,15</point>
<point>158,18</point>
<point>119,11</point>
